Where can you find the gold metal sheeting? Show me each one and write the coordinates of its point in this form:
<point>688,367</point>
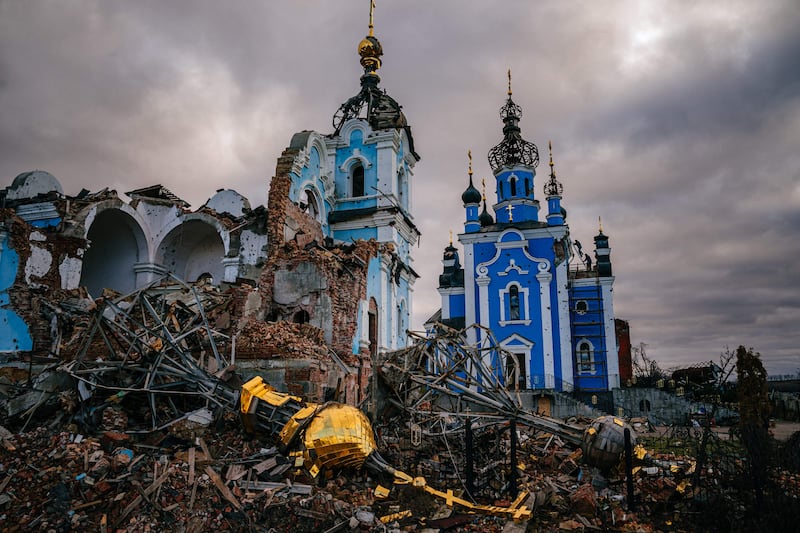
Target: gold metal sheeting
<point>339,435</point>
<point>256,388</point>
<point>296,422</point>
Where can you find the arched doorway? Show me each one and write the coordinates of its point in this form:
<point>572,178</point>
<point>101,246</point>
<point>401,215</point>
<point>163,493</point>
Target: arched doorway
<point>116,244</point>
<point>192,250</point>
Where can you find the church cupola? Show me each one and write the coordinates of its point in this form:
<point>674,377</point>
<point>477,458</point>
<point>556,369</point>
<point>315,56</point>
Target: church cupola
<point>472,199</point>
<point>602,253</point>
<point>552,191</point>
<point>485,218</point>
<point>452,273</point>
<point>514,163</point>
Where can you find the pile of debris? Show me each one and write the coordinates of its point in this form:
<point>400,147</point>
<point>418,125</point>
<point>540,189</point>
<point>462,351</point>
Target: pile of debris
<point>142,430</point>
<point>281,339</point>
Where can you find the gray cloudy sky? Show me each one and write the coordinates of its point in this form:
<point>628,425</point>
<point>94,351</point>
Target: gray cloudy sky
<point>677,122</point>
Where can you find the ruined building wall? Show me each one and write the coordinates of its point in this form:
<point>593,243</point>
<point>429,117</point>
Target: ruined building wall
<point>310,296</point>
<point>48,271</point>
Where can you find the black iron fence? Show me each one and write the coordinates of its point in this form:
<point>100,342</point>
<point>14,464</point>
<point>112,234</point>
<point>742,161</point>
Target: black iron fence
<point>705,479</point>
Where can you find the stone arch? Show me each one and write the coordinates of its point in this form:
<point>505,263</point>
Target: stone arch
<point>191,249</point>
<point>117,243</point>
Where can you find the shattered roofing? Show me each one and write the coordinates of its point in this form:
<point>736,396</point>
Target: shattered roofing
<point>158,192</point>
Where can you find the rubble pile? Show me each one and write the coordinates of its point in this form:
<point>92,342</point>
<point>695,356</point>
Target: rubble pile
<point>144,435</point>
<point>281,339</point>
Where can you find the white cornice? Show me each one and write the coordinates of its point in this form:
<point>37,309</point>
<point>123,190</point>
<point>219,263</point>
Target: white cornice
<point>556,232</point>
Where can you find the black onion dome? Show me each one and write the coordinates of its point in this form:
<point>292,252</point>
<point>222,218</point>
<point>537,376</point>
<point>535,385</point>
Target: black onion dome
<point>513,149</point>
<point>485,218</point>
<point>471,195</point>
<point>553,187</point>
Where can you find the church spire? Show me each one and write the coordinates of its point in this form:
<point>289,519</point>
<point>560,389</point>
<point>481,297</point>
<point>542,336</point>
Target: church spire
<point>471,198</point>
<point>485,218</point>
<point>471,195</point>
<point>513,149</point>
<point>372,102</point>
<point>552,191</point>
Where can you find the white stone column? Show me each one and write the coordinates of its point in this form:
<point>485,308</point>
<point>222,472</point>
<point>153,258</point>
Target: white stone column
<point>612,355</point>
<point>147,273</point>
<point>469,291</point>
<point>544,279</point>
<point>565,334</point>
<point>230,270</point>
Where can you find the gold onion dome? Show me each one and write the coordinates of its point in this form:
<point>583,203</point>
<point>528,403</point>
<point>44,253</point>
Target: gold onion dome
<point>370,50</point>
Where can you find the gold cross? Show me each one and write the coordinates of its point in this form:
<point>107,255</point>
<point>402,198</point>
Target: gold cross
<point>371,10</point>
<point>510,210</point>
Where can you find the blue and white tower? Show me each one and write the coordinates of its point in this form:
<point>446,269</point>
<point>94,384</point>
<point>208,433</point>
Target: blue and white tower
<point>356,182</point>
<point>372,154</point>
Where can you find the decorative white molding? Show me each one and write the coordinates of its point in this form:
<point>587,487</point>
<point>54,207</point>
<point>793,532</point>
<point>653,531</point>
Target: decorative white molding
<point>300,161</point>
<point>345,166</point>
<point>519,345</point>
<point>512,265</point>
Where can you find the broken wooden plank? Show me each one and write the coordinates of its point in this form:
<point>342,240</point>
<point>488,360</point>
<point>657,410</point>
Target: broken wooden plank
<point>191,465</point>
<point>222,487</point>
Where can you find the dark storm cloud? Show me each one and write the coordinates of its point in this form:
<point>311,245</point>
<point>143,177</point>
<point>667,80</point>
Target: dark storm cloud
<point>677,122</point>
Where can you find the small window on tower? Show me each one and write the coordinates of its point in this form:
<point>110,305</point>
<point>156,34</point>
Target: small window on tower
<point>585,357</point>
<point>581,307</point>
<point>358,180</point>
<point>513,183</point>
<point>513,303</point>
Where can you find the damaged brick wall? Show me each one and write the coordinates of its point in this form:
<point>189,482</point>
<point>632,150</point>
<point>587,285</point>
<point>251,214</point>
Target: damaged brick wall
<point>49,264</point>
<point>336,282</point>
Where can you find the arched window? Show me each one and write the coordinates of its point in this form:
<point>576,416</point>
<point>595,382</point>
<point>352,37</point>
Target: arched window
<point>372,327</point>
<point>513,300</point>
<point>585,357</point>
<point>513,183</point>
<point>644,406</point>
<point>513,303</point>
<point>527,187</point>
<point>308,204</point>
<point>301,317</point>
<point>581,307</point>
<point>358,180</point>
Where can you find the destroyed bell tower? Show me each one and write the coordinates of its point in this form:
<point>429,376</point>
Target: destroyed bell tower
<point>372,151</point>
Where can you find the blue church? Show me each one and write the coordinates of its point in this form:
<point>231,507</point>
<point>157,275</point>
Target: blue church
<point>524,279</point>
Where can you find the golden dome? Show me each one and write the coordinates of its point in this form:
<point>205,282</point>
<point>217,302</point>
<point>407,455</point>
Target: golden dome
<point>370,50</point>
